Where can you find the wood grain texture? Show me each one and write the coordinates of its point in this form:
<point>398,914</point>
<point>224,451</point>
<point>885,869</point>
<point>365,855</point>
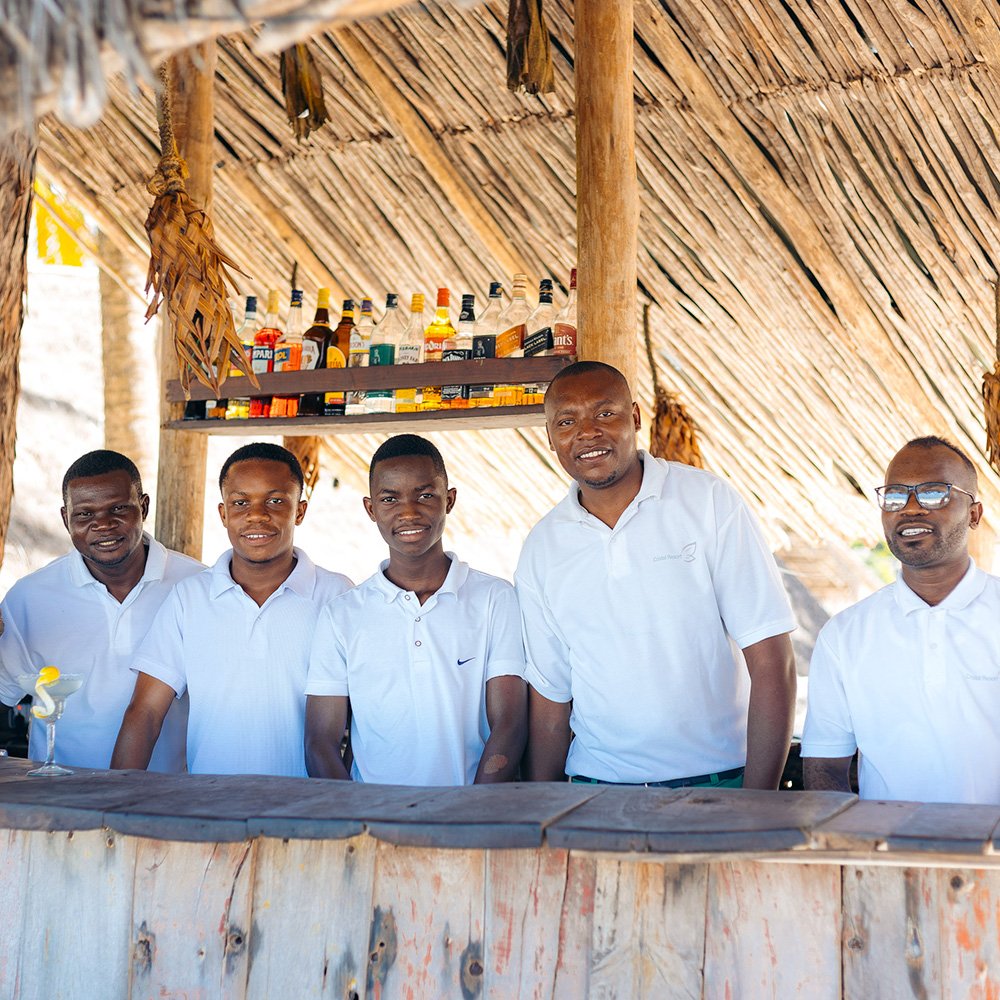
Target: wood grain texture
<point>14,847</point>
<point>576,928</point>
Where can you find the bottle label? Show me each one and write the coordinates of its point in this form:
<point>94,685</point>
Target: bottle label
<point>282,354</point>
<point>564,339</point>
<point>310,355</point>
<point>451,392</point>
<point>408,354</point>
<point>334,401</point>
<point>537,342</point>
<point>432,348</point>
<point>382,354</point>
<point>510,341</point>
<point>484,346</point>
<point>262,358</point>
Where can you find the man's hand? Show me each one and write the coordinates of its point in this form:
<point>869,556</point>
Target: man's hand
<point>827,774</point>
<point>771,664</point>
<point>507,714</point>
<point>326,720</point>
<point>548,738</point>
<point>141,724</point>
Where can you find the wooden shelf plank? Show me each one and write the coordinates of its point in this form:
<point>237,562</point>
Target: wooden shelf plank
<point>478,418</point>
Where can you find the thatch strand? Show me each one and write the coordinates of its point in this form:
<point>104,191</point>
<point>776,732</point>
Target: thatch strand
<point>302,88</point>
<point>306,448</point>
<point>529,50</point>
<point>188,271</point>
<point>991,392</point>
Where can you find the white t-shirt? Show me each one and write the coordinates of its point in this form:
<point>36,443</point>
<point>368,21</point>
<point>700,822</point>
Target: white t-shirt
<point>416,674</point>
<point>635,624</point>
<point>243,666</point>
<point>917,689</point>
<point>63,616</point>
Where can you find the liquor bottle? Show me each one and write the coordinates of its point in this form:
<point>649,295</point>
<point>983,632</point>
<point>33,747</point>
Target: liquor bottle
<point>511,330</point>
<point>484,343</point>
<point>334,403</point>
<point>314,344</point>
<point>386,340</point>
<point>564,334</point>
<point>262,356</point>
<point>458,347</point>
<point>358,355</point>
<point>538,340</point>
<point>411,352</point>
<point>288,356</point>
<point>238,408</point>
<point>437,332</point>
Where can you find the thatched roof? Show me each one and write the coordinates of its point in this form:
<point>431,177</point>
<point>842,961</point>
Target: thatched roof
<point>819,223</point>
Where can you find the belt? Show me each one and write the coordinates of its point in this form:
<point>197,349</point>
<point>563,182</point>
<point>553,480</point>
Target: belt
<point>695,779</point>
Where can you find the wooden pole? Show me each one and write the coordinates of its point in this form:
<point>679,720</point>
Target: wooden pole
<point>180,491</point>
<point>607,195</point>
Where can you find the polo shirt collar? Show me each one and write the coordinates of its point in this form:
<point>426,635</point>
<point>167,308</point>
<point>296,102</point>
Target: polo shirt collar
<point>302,579</point>
<point>968,589</point>
<point>156,564</point>
<point>654,482</point>
<point>458,573</point>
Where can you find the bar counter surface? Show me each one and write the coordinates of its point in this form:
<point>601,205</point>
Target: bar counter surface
<point>127,884</point>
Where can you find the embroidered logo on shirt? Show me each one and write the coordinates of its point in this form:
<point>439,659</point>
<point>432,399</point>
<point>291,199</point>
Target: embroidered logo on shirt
<point>686,554</point>
<point>466,660</point>
<point>982,677</point>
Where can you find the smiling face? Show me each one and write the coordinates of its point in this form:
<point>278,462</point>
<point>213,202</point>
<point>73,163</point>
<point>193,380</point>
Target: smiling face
<point>104,515</point>
<point>261,505</point>
<point>931,539</point>
<point>410,501</point>
<point>591,422</point>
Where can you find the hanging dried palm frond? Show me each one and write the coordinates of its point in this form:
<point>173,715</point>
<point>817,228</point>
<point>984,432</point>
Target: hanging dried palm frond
<point>188,271</point>
<point>302,86</point>
<point>673,434</point>
<point>991,391</point>
<point>306,449</point>
<point>529,50</point>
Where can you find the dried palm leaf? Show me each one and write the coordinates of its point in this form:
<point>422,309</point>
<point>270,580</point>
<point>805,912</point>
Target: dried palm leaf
<point>188,271</point>
<point>529,50</point>
<point>302,87</point>
<point>673,434</point>
<point>306,449</point>
<point>991,392</point>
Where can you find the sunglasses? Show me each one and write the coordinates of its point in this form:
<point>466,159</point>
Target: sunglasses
<point>930,496</point>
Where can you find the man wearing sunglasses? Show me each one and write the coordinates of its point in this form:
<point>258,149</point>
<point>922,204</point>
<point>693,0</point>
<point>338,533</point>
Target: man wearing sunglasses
<point>910,676</point>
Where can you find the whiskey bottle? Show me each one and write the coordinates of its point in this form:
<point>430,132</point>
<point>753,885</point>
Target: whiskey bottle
<point>358,355</point>
<point>458,347</point>
<point>238,408</point>
<point>288,356</point>
<point>411,352</point>
<point>339,347</point>
<point>386,340</point>
<point>314,344</point>
<point>439,330</point>
<point>484,343</point>
<point>564,333</point>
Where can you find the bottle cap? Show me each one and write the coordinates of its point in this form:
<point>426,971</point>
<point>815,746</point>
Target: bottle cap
<point>468,300</point>
<point>572,278</point>
<point>545,285</point>
<point>417,303</point>
<point>390,300</point>
<point>496,289</point>
<point>323,298</point>
<point>444,297</point>
<point>273,298</point>
<point>251,304</point>
<point>296,296</point>
<point>366,305</point>
<point>348,305</point>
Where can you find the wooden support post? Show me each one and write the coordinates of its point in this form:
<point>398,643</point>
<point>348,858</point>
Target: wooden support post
<point>180,491</point>
<point>607,195</point>
<point>18,151</point>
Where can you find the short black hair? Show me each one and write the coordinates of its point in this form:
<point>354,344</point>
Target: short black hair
<point>932,441</point>
<point>404,445</point>
<point>263,451</point>
<point>99,463</point>
<point>584,368</point>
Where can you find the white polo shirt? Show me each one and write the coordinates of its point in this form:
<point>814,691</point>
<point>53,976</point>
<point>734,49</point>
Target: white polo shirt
<point>917,689</point>
<point>243,666</point>
<point>63,616</point>
<point>634,624</point>
<point>416,673</point>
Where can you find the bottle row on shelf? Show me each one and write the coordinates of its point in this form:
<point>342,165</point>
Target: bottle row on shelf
<point>514,330</point>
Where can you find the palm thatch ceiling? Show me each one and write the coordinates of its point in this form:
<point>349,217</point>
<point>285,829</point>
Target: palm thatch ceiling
<point>819,229</point>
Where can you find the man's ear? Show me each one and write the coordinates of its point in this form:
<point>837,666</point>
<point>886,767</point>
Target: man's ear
<point>65,519</point>
<point>300,511</point>
<point>975,514</point>
<point>636,417</point>
<point>452,493</point>
<point>144,505</point>
<point>222,512</point>
<point>369,506</point>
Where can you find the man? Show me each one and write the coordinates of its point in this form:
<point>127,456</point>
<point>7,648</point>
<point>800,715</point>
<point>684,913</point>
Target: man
<point>88,611</point>
<point>236,637</point>
<point>632,591</point>
<point>426,653</point>
<point>910,676</point>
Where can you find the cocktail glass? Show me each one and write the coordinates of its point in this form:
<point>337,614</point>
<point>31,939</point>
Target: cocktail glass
<point>66,685</point>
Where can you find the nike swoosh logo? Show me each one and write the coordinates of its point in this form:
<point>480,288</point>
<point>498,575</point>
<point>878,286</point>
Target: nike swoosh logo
<point>460,662</point>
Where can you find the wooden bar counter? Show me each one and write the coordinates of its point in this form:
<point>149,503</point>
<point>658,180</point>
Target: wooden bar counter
<point>126,884</point>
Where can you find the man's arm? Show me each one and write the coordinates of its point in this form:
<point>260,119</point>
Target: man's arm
<point>141,724</point>
<point>548,738</point>
<point>771,664</point>
<point>827,774</point>
<point>326,720</point>
<point>507,714</point>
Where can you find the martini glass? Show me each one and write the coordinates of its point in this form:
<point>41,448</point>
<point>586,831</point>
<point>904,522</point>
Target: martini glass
<point>66,685</point>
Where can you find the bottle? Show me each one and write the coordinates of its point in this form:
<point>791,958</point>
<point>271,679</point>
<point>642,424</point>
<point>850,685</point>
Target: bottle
<point>437,332</point>
<point>538,340</point>
<point>262,356</point>
<point>458,347</point>
<point>511,330</point>
<point>386,340</point>
<point>334,403</point>
<point>411,352</point>
<point>484,343</point>
<point>315,341</point>
<point>239,408</point>
<point>288,356</point>
<point>358,355</point>
<point>564,334</point>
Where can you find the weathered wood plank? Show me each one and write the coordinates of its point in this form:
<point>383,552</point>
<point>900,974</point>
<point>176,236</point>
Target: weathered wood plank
<point>576,926</point>
<point>191,913</point>
<point>312,907</point>
<point>773,931</point>
<point>14,848</point>
<point>969,903</point>
<point>427,924</point>
<point>76,925</point>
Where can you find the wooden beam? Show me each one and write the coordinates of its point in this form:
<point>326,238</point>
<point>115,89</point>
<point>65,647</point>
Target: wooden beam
<point>607,197</point>
<point>180,491</point>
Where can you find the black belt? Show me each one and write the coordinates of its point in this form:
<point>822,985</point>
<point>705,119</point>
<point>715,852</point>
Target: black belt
<point>695,779</point>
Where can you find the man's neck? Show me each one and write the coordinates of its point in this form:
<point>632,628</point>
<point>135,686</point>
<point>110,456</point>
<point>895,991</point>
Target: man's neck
<point>120,580</point>
<point>934,584</point>
<point>260,580</point>
<point>424,574</point>
<point>609,502</point>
